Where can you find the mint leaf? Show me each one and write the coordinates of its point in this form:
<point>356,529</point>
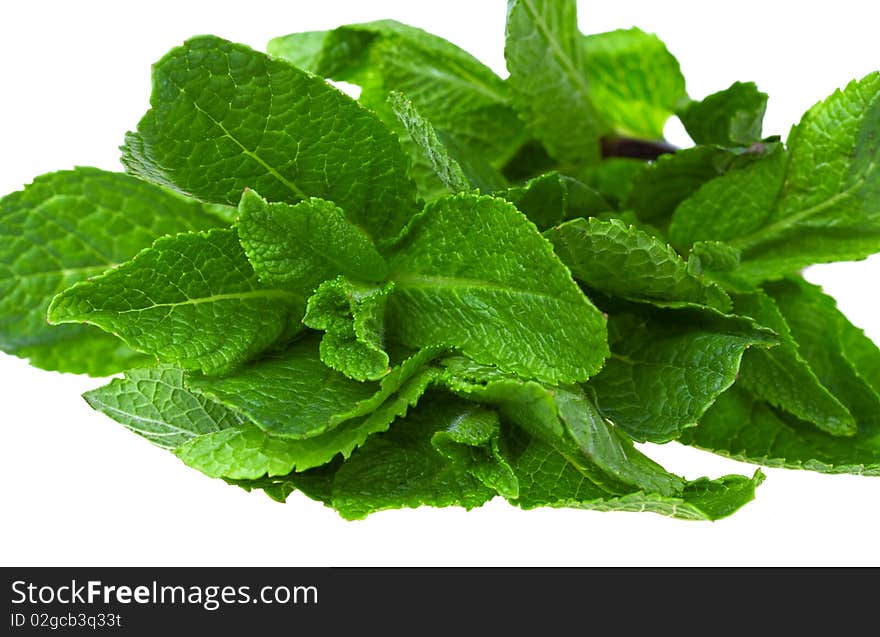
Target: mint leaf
<point>660,186</point>
<point>464,100</point>
<point>623,261</point>
<point>668,367</point>
<point>353,316</point>
<point>743,427</point>
<point>818,327</point>
<point>66,227</point>
<point>248,452</point>
<point>402,468</point>
<point>546,478</point>
<point>732,117</point>
<point>566,419</point>
<point>783,378</point>
<point>472,440</point>
<point>783,214</point>
<point>225,118</point>
<point>424,136</point>
<point>297,247</point>
<point>546,58</point>
<point>295,381</point>
<point>549,199</point>
<point>155,404</point>
<point>191,299</point>
<point>499,295</point>
<point>634,81</point>
<point>732,205</point>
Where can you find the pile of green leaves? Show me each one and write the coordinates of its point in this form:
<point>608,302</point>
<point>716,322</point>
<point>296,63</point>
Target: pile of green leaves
<point>460,286</point>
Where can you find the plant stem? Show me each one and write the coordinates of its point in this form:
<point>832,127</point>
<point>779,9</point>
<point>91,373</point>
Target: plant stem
<point>635,148</point>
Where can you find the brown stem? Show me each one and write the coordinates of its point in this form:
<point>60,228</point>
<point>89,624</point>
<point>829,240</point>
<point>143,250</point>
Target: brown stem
<point>635,148</point>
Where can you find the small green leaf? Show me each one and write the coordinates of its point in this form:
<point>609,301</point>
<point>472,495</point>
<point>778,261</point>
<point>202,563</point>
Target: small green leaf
<point>191,299</point>
<point>424,136</point>
<point>551,198</point>
<point>635,82</point>
<point>471,439</point>
<point>297,247</point>
<point>353,315</point>
<point>732,117</point>
<point>471,272</point>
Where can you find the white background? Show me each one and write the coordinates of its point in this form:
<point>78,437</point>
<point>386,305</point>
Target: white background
<point>78,489</point>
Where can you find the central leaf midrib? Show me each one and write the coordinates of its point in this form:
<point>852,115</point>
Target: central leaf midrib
<point>214,298</point>
<point>427,281</point>
<point>250,153</point>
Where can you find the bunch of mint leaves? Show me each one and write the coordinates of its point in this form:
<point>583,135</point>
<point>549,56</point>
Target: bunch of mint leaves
<point>458,286</point>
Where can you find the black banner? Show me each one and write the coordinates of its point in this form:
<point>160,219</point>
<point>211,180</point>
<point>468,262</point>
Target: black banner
<point>134,601</point>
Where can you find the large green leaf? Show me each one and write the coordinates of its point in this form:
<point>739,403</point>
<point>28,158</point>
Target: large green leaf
<point>623,261</point>
<point>820,329</point>
<point>191,299</point>
<point>471,272</point>
<point>782,377</point>
<point>547,478</point>
<point>546,58</point>
<point>668,367</point>
<point>744,427</point>
<point>225,117</point>
<point>816,203</point>
<point>66,227</point>
<point>462,98</point>
<point>154,403</point>
<point>292,394</point>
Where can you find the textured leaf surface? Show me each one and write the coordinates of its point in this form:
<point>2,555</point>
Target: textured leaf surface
<point>424,136</point>
<point>782,377</point>
<point>546,58</point>
<point>743,427</point>
<point>666,369</point>
<point>458,94</point>
<point>292,394</point>
<point>248,452</point>
<point>623,261</point>
<point>298,247</point>
<point>155,404</point>
<point>549,199</point>
<point>817,204</point>
<point>635,82</point>
<point>566,419</point>
<point>191,299</point>
<point>473,273</point>
<point>472,440</point>
<point>402,468</point>
<point>660,186</point>
<point>818,327</point>
<point>546,478</point>
<point>353,315</point>
<point>732,117</point>
<point>66,227</point>
<point>225,118</point>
